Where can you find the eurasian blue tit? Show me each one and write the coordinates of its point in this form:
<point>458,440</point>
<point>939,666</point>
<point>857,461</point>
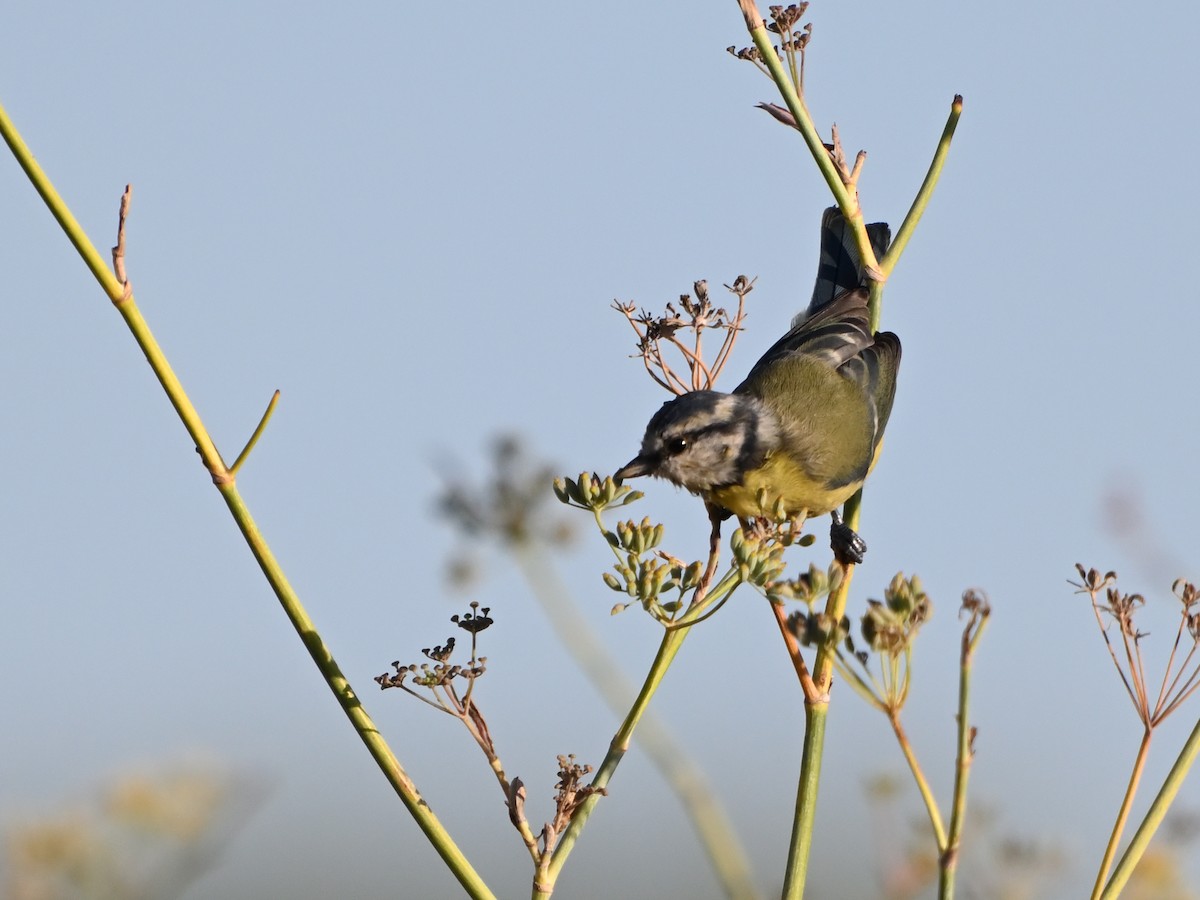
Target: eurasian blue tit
<point>804,429</point>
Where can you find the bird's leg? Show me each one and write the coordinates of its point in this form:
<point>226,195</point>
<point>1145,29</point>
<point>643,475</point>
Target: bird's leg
<point>848,547</point>
<point>716,515</point>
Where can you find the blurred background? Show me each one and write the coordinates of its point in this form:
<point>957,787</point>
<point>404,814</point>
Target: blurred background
<point>412,219</point>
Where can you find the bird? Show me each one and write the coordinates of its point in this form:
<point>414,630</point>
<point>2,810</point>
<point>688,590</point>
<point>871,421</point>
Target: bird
<point>801,433</point>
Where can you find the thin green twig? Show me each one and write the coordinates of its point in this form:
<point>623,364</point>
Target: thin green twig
<point>707,605</point>
<point>262,426</point>
<point>869,691</point>
<point>845,194</point>
<point>800,847</point>
<point>816,709</point>
<point>122,297</point>
<point>914,766</point>
<point>672,640</point>
<point>684,775</point>
<point>909,225</point>
<point>948,862</point>
<point>1114,839</point>
<point>846,200</point>
<point>1154,816</point>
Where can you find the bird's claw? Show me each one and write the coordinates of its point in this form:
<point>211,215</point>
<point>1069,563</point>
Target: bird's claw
<point>848,547</point>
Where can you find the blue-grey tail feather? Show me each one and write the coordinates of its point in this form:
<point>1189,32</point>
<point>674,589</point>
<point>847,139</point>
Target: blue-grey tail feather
<point>840,268</point>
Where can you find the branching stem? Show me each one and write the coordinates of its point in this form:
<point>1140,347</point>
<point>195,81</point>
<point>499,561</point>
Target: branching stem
<point>225,483</point>
<point>1114,840</point>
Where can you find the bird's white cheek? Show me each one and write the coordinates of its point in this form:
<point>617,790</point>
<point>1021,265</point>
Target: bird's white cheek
<point>672,473</point>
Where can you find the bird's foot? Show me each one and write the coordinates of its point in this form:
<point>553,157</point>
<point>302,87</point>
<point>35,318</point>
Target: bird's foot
<point>848,547</point>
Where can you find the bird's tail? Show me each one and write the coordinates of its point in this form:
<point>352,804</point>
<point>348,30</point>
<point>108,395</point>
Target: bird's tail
<point>840,268</point>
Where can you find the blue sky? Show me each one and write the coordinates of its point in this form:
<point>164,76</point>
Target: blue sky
<point>411,219</point>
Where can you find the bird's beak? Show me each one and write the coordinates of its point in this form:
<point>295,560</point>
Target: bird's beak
<point>639,465</point>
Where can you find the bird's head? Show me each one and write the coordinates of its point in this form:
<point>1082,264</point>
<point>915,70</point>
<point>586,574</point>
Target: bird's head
<point>705,440</point>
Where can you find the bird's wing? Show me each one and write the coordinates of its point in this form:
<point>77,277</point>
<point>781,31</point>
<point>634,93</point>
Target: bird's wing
<point>874,371</point>
<point>840,267</point>
<point>839,336</point>
<point>835,335</point>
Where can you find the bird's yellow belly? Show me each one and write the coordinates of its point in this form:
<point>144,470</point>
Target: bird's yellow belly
<point>780,479</point>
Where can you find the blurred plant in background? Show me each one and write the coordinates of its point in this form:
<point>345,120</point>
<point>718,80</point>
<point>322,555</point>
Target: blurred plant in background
<point>147,835</point>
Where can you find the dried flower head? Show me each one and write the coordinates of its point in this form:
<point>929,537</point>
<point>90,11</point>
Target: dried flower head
<point>1182,675</point>
<point>694,314</point>
<point>475,621</point>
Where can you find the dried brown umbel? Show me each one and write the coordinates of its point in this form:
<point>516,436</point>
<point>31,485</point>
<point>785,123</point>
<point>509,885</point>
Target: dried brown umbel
<point>694,314</point>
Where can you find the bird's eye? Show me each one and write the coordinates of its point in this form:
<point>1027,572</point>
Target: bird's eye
<point>675,446</point>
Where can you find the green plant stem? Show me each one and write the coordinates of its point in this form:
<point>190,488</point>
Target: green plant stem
<point>846,199</point>
<point>816,710</point>
<point>914,766</point>
<point>869,691</point>
<point>925,192</point>
<point>1154,816</point>
<point>75,234</point>
<point>948,861</point>
<point>122,297</point>
<point>1149,825</point>
<point>800,848</point>
<point>673,760</point>
<point>671,642</point>
<point>1114,840</point>
<point>701,609</point>
<point>348,699</point>
<point>844,195</point>
<point>816,707</point>
<point>835,607</point>
<point>262,426</point>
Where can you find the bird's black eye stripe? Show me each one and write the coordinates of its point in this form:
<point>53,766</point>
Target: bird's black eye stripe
<point>677,445</point>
